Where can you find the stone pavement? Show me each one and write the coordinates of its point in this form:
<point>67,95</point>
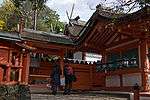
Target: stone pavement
<point>74,97</point>
<point>44,93</point>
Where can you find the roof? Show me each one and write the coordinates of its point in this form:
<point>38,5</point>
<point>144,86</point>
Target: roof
<point>29,34</point>
<point>75,30</point>
<point>45,36</point>
<point>74,27</point>
<point>103,31</point>
<point>77,22</point>
<point>13,36</point>
<point>110,17</point>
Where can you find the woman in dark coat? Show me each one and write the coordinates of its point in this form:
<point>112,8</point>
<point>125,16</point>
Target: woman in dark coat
<point>55,78</point>
<point>68,72</point>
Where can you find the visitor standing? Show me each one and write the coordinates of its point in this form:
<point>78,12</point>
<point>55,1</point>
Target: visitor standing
<point>68,72</point>
<point>55,78</point>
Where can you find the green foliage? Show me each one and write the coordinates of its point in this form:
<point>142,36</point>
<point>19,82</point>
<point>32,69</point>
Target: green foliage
<point>51,19</point>
<point>11,10</point>
<point>14,92</point>
<point>2,24</point>
<point>38,4</point>
<point>8,16</point>
<point>47,19</point>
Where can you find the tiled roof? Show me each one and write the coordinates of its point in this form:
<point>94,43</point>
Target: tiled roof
<point>45,36</point>
<point>74,27</point>
<point>29,34</point>
<point>78,22</point>
<point>75,30</point>
<point>10,36</point>
<point>103,15</point>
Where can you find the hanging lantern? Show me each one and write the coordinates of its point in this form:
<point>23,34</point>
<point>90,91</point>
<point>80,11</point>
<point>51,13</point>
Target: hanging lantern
<point>133,61</point>
<point>129,25</point>
<point>34,55</point>
<point>125,62</point>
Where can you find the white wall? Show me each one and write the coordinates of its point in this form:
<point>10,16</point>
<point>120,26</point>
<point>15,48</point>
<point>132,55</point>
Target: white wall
<point>78,55</point>
<point>149,79</point>
<point>144,98</point>
<point>132,79</point>
<point>113,81</point>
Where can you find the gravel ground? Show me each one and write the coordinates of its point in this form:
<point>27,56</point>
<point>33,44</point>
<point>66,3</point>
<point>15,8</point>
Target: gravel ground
<point>74,97</point>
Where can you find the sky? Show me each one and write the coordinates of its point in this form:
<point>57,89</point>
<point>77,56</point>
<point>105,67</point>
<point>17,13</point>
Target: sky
<point>82,8</point>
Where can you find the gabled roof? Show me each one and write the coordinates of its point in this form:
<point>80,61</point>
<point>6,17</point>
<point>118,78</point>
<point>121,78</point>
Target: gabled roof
<point>103,15</point>
<point>97,30</point>
<point>74,27</point>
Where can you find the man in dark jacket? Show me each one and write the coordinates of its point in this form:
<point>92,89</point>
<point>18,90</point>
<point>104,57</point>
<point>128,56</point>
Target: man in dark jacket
<point>55,78</point>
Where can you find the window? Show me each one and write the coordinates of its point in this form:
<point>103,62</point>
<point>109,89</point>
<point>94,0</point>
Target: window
<point>132,56</point>
<point>113,58</point>
<point>127,58</point>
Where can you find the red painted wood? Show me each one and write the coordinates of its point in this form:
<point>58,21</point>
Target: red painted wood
<point>1,74</point>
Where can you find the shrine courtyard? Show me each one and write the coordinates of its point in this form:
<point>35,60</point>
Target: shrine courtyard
<point>45,94</point>
<point>75,97</point>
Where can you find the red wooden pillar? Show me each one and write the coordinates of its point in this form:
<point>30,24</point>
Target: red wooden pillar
<point>1,74</point>
<point>104,60</point>
<point>121,80</point>
<point>8,69</point>
<point>91,75</point>
<point>62,62</point>
<point>104,57</point>
<point>144,64</point>
<point>136,95</point>
<point>25,69</point>
<point>20,69</point>
<point>8,73</point>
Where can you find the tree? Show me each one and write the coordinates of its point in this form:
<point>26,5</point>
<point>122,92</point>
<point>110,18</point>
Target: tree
<point>51,19</point>
<point>12,10</point>
<point>7,11</point>
<point>130,5</point>
<point>2,23</point>
<point>122,6</point>
<point>41,16</point>
<point>35,6</point>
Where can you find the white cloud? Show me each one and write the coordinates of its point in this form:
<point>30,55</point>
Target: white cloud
<point>81,8</point>
<point>60,2</point>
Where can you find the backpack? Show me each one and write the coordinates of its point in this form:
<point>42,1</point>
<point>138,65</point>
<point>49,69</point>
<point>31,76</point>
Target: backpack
<point>73,78</point>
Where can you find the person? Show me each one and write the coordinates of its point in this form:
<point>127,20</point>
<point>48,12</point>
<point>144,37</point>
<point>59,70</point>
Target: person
<point>55,78</point>
<point>68,72</point>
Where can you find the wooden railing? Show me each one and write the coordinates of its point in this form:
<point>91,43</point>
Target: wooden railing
<point>118,64</point>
